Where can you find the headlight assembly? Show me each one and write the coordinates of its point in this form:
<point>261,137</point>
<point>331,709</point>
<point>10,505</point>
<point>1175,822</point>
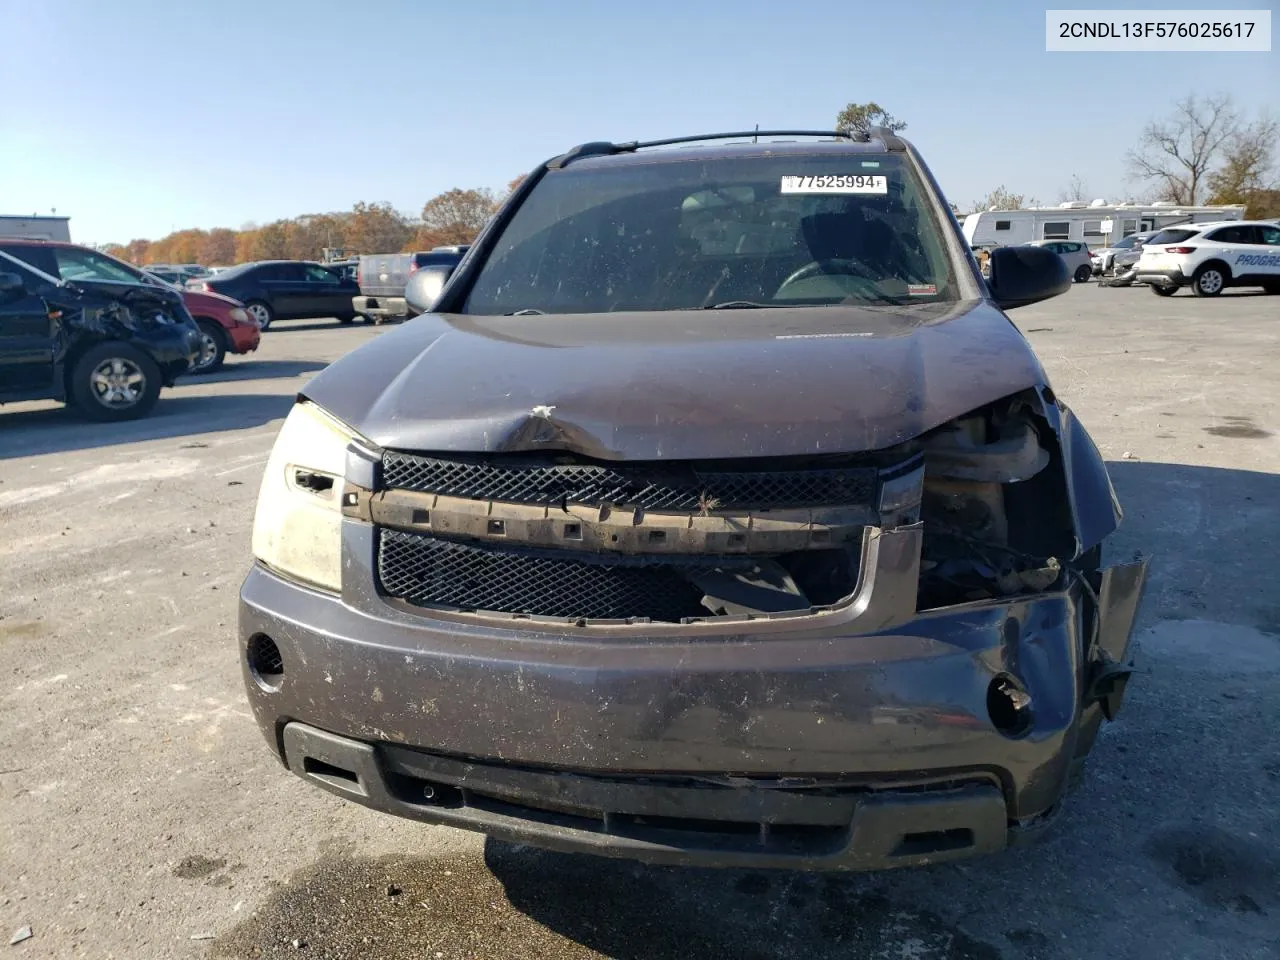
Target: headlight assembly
<point>297,530</point>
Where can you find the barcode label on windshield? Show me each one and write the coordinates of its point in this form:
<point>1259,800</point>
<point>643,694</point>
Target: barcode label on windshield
<point>836,183</point>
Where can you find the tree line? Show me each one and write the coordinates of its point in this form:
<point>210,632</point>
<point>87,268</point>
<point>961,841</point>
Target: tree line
<point>1204,151</point>
<point>455,216</point>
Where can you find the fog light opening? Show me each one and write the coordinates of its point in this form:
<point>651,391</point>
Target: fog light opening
<point>265,662</point>
<point>1009,706</point>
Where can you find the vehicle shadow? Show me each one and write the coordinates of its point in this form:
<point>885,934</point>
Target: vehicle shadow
<point>235,370</point>
<point>59,429</point>
<point>297,326</point>
<point>1208,532</point>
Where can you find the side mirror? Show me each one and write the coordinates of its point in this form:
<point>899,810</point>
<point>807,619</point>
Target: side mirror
<point>1023,275</point>
<point>11,284</point>
<point>423,289</point>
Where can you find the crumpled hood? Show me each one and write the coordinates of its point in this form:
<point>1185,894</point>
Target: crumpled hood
<point>678,384</point>
<point>135,295</point>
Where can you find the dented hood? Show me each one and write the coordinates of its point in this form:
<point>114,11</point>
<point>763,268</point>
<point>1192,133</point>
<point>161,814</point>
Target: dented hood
<point>678,384</point>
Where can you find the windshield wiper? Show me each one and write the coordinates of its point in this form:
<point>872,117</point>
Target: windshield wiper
<point>736,305</point>
<point>527,312</point>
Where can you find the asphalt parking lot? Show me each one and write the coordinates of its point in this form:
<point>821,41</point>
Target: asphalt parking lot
<point>141,815</point>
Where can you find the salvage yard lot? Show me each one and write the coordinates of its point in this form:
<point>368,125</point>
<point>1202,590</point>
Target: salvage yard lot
<point>141,815</point>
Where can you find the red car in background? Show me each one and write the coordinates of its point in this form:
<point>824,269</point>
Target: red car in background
<point>224,325</point>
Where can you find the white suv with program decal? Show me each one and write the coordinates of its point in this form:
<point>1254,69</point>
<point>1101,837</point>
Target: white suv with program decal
<point>1208,257</point>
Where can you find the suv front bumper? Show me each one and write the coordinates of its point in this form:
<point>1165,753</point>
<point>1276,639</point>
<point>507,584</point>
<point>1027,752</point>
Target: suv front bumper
<point>817,750</point>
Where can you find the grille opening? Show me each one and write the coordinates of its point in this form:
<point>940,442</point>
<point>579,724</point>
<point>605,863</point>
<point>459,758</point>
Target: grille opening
<point>498,528</point>
<point>327,771</point>
<point>678,485</point>
<point>657,536</point>
<point>264,658</point>
<point>432,572</point>
<point>933,841</point>
<point>573,531</point>
<point>429,571</point>
<point>421,516</point>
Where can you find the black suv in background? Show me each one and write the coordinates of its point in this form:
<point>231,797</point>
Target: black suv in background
<point>285,290</point>
<point>105,347</point>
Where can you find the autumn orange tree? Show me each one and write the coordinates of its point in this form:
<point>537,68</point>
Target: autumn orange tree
<point>455,216</point>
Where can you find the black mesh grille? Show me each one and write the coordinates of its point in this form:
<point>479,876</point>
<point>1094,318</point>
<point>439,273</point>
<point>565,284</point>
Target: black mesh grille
<point>653,486</point>
<point>427,571</point>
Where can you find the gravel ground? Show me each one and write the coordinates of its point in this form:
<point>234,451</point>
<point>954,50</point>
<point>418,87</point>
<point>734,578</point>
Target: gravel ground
<point>141,815</point>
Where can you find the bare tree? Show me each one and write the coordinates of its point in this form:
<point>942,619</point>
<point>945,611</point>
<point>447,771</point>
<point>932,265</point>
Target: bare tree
<point>1176,154</point>
<point>1076,189</point>
<point>1002,199</point>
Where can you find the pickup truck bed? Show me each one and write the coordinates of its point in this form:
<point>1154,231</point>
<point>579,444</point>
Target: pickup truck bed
<point>383,276</point>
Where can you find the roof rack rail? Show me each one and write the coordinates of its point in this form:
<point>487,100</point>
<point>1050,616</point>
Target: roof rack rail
<point>834,134</point>
<point>598,148</point>
<point>892,142</point>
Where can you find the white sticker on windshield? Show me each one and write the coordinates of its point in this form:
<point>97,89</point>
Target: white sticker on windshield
<point>837,183</point>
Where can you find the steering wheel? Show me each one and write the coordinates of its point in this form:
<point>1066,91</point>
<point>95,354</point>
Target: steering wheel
<point>844,266</point>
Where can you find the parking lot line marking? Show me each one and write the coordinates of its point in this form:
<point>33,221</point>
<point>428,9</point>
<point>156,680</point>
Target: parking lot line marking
<point>257,461</point>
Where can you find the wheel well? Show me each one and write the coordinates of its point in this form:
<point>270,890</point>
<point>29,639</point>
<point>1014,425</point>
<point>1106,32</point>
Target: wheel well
<point>209,320</point>
<point>1221,265</point>
<point>72,357</point>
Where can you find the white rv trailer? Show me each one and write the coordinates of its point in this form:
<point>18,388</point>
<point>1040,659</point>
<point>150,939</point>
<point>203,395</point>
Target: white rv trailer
<point>36,227</point>
<point>1078,220</point>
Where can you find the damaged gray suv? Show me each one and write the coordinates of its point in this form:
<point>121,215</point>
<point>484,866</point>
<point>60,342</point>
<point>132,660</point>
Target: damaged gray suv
<point>713,512</point>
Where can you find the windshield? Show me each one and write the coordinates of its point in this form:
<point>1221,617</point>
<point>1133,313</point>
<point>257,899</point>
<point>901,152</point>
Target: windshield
<point>75,263</point>
<point>735,232</point>
<point>1170,236</point>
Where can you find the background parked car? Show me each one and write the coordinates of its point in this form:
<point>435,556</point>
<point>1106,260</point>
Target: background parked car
<point>168,275</point>
<point>1209,257</point>
<point>224,325</point>
<point>1121,255</point>
<point>382,278</point>
<point>347,269</point>
<point>285,290</point>
<point>1075,253</point>
<point>103,346</point>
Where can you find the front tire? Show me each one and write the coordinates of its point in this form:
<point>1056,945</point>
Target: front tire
<point>213,347</point>
<point>260,313</point>
<point>114,381</point>
<point>1209,280</point>
<point>1083,273</point>
<point>1160,291</point>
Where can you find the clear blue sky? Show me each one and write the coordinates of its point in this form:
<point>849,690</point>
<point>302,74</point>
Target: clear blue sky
<point>137,117</point>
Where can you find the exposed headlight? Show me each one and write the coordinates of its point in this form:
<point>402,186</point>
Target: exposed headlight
<point>297,530</point>
<point>238,314</point>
